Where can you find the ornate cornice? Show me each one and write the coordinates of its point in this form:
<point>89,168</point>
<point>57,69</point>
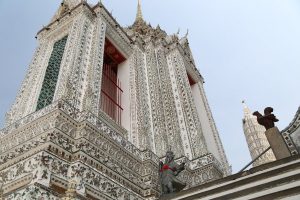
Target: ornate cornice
<point>114,30</point>
<point>67,15</point>
<point>287,133</point>
<point>294,124</point>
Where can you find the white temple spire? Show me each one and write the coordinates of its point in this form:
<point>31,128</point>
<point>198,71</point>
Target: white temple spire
<point>255,137</point>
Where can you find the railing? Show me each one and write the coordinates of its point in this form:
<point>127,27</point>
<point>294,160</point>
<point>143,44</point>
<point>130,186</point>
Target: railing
<point>255,159</point>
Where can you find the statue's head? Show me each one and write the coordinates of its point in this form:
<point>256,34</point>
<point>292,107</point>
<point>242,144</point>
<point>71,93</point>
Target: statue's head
<point>169,156</point>
<point>268,110</point>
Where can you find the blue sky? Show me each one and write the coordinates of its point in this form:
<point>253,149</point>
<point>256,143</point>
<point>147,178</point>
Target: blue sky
<point>245,49</point>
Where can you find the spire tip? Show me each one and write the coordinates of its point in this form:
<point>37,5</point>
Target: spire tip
<point>139,15</point>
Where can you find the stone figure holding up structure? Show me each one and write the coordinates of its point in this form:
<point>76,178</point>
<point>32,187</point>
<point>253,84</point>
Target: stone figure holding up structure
<point>268,120</point>
<point>168,172</point>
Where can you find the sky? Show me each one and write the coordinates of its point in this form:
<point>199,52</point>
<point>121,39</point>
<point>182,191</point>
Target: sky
<point>245,50</point>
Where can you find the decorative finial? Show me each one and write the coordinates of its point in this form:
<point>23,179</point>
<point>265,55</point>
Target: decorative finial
<point>178,31</point>
<point>244,103</point>
<point>139,15</point>
<point>187,33</point>
<point>247,111</point>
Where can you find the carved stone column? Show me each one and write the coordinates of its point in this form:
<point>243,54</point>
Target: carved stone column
<point>71,191</point>
<point>42,174</point>
<point>76,173</point>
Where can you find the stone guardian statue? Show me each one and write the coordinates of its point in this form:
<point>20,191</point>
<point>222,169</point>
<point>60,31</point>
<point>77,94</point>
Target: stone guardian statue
<point>268,119</point>
<point>272,133</point>
<point>168,174</point>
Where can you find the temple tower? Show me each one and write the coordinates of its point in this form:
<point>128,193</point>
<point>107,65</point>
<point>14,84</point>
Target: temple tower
<point>177,107</point>
<point>256,138</point>
<point>100,105</point>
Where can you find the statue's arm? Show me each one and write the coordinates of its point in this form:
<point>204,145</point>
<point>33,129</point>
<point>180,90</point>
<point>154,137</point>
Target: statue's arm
<point>271,117</point>
<point>161,164</point>
<point>274,118</point>
<point>180,168</point>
